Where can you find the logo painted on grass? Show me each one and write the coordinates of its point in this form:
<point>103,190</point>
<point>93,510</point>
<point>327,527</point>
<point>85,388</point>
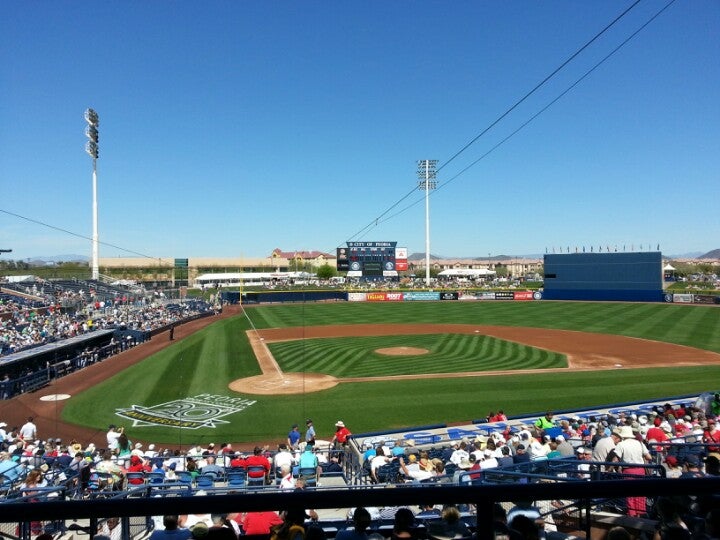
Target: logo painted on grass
<point>205,410</point>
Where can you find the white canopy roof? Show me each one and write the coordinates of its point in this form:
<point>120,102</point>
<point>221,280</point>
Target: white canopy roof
<point>467,272</point>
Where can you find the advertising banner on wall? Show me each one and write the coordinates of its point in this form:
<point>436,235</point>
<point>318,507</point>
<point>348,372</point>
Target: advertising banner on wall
<point>356,297</point>
<point>421,295</point>
<point>449,296</point>
<point>682,298</point>
<point>706,299</point>
<point>522,295</point>
<point>504,295</point>
<point>401,263</point>
<point>384,296</point>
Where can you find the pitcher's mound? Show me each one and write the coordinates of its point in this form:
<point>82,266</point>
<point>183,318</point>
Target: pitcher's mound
<point>286,383</point>
<point>402,351</point>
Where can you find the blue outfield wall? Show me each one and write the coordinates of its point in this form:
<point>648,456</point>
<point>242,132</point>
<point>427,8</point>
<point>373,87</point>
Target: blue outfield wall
<point>626,277</point>
<point>268,297</point>
<point>603,295</point>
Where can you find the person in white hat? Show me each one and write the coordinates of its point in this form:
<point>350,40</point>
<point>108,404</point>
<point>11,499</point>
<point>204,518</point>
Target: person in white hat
<point>340,439</point>
<point>633,454</point>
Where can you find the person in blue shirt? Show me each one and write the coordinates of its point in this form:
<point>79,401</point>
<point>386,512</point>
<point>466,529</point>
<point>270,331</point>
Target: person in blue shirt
<point>293,437</point>
<point>9,469</point>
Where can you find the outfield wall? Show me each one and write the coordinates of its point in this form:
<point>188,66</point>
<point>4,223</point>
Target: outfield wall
<point>270,297</point>
<point>626,277</point>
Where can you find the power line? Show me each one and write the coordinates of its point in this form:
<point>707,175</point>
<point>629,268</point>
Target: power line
<point>541,111</point>
<point>71,233</point>
<point>380,219</point>
<point>540,84</point>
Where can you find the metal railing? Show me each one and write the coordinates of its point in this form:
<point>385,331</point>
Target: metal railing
<point>482,498</point>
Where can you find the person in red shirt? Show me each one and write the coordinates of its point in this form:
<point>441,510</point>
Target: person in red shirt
<point>238,461</point>
<point>258,460</point>
<point>658,433</point>
<point>341,434</point>
<point>257,522</point>
<point>137,465</point>
<point>712,435</point>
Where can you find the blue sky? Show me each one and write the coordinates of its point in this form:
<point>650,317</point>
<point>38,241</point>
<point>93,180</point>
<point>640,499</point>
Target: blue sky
<point>231,128</point>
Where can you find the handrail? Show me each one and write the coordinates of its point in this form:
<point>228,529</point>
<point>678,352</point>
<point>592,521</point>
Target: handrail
<point>482,496</point>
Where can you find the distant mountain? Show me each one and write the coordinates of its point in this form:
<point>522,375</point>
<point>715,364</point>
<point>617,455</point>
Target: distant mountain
<point>714,254</point>
<point>421,257</point>
<point>690,255</point>
<point>497,258</point>
<point>54,259</point>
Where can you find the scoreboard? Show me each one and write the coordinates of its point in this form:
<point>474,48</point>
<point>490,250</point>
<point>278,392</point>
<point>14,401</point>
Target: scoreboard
<point>371,259</point>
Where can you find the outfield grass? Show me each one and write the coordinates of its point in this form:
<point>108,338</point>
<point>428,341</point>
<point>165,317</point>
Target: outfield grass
<point>205,362</point>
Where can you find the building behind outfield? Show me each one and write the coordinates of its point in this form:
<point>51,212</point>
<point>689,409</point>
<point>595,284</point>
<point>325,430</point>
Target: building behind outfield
<point>631,277</point>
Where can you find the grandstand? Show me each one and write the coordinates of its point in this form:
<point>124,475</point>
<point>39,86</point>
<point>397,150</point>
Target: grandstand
<point>558,486</point>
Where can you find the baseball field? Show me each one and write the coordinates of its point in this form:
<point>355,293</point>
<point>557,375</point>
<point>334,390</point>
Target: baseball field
<point>251,373</point>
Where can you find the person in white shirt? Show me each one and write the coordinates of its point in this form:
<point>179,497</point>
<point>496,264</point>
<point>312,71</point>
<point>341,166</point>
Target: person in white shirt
<point>378,461</point>
<point>28,432</point>
<point>3,433</point>
<point>489,460</point>
<point>459,454</point>
<point>283,457</point>
<point>422,474</point>
<point>287,482</point>
<point>112,437</point>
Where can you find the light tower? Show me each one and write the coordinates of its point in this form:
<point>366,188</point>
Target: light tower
<point>93,150</point>
<point>426,174</point>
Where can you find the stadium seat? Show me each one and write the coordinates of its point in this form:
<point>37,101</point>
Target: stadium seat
<point>184,478</point>
<point>155,477</point>
<point>256,481</point>
<point>135,476</point>
<point>236,479</point>
<point>205,481</point>
<point>310,476</point>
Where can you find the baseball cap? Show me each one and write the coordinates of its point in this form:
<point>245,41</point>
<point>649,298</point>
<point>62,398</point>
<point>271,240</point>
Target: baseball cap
<point>199,530</point>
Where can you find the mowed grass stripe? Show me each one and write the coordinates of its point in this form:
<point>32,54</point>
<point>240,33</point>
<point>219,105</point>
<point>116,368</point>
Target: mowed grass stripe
<point>448,353</point>
<point>649,321</point>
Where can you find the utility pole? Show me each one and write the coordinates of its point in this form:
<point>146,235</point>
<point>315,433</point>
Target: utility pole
<point>426,173</point>
<point>93,150</point>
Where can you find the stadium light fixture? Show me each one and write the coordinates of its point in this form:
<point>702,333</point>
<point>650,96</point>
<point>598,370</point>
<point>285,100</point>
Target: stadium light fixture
<point>93,150</point>
<point>427,173</point>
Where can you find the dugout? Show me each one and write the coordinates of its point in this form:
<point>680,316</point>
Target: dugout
<point>627,277</point>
